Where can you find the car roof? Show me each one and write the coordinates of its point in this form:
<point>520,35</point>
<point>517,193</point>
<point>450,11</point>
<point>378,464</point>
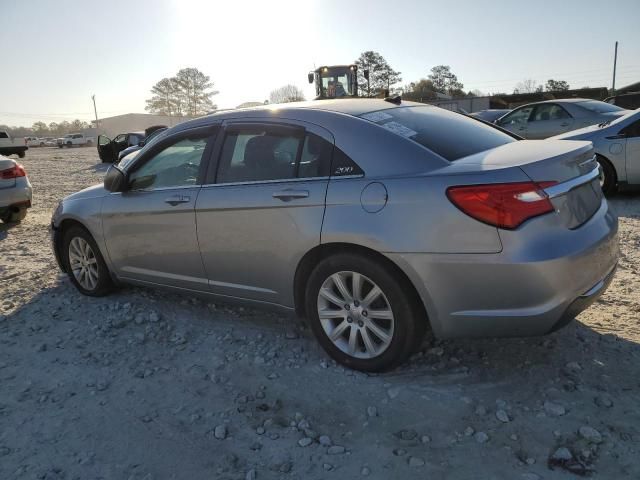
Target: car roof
<point>349,106</point>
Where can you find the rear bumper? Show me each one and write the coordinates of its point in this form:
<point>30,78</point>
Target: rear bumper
<point>534,286</point>
<point>19,195</point>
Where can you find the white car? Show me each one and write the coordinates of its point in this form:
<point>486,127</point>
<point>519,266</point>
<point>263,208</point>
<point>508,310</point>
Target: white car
<point>15,191</point>
<point>32,141</point>
<point>617,146</point>
<point>73,139</point>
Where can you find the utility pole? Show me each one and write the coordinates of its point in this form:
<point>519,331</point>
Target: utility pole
<point>615,61</point>
<point>95,111</point>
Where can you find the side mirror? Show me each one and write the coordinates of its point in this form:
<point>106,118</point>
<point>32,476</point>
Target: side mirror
<point>310,77</point>
<point>141,143</point>
<point>115,180</point>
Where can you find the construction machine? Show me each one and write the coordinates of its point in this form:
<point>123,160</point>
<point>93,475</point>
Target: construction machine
<point>336,81</point>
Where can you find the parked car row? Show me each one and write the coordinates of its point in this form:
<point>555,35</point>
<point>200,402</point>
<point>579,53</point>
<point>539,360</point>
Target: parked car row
<point>374,220</point>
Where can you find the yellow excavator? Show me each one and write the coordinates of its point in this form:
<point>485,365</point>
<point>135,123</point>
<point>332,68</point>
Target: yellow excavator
<point>336,81</point>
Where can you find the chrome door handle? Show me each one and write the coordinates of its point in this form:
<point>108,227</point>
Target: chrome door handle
<point>176,199</point>
<point>286,195</point>
<point>565,124</point>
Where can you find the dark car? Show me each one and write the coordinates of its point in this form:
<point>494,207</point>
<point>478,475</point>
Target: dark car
<point>135,148</point>
<point>630,101</point>
<point>109,149</point>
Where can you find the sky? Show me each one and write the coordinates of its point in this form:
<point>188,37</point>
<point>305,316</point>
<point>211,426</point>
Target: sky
<point>56,54</point>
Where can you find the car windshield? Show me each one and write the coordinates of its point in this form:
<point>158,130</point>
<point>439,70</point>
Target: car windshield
<point>450,135</point>
<point>599,107</point>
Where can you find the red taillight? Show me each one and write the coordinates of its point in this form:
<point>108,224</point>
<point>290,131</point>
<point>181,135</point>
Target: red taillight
<point>13,172</point>
<point>504,205</point>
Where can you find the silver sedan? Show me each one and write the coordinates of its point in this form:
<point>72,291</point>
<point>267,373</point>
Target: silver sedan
<point>15,191</point>
<point>554,117</point>
<point>617,146</point>
<point>376,221</point>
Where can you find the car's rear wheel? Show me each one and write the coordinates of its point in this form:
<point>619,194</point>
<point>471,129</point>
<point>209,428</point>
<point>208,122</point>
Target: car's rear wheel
<point>21,154</point>
<point>361,313</point>
<point>14,215</point>
<point>85,266</point>
<point>608,177</point>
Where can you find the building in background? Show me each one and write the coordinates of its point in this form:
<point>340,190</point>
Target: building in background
<point>135,122</point>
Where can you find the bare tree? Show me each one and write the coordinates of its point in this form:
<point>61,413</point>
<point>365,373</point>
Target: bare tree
<point>286,94</point>
<point>527,86</point>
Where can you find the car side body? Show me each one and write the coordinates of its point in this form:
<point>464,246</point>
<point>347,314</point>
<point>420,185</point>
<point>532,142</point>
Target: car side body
<point>545,119</point>
<point>617,143</point>
<point>383,197</point>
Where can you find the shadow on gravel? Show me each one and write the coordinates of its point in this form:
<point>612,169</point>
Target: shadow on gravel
<point>4,228</point>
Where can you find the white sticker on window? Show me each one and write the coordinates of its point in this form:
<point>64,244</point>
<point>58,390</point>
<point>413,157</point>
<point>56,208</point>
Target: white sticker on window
<point>400,129</point>
<point>376,117</point>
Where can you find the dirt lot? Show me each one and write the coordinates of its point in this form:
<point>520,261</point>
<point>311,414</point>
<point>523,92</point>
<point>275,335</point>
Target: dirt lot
<point>148,385</point>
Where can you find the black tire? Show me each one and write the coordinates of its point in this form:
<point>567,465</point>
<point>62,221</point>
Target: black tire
<point>104,284</point>
<point>610,182</point>
<point>60,145</point>
<point>409,320</point>
<point>21,154</point>
<point>69,144</point>
<point>15,216</point>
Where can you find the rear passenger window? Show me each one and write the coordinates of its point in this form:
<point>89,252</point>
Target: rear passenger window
<point>255,154</point>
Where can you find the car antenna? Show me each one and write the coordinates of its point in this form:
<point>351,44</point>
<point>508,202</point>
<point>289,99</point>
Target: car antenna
<point>396,99</point>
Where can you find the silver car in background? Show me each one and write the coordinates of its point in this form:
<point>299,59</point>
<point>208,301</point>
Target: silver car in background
<point>554,117</point>
<point>376,221</point>
<point>617,146</point>
<point>15,191</point>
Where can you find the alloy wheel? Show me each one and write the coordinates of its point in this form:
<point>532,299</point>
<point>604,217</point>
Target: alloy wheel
<point>84,263</point>
<point>355,314</point>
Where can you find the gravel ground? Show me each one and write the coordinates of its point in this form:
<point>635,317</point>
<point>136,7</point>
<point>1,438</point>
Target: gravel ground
<point>148,385</point>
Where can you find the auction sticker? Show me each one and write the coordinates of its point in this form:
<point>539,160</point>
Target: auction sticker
<point>376,117</point>
<point>400,129</point>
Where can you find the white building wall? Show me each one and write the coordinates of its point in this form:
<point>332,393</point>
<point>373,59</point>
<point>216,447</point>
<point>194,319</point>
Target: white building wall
<point>135,122</point>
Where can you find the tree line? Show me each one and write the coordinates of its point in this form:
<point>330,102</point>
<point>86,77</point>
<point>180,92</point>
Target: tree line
<point>42,129</point>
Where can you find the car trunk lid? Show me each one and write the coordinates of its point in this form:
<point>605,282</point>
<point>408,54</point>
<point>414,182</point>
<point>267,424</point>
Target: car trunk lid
<point>576,194</point>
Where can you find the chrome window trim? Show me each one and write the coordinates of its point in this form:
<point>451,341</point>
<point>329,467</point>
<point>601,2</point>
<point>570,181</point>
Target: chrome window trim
<point>285,180</point>
<point>565,187</point>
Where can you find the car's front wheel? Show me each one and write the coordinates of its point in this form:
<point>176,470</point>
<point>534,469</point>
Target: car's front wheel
<point>362,313</point>
<point>85,266</point>
<point>608,177</point>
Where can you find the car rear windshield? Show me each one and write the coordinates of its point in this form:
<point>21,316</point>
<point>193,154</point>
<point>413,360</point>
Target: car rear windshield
<point>599,107</point>
<point>450,135</point>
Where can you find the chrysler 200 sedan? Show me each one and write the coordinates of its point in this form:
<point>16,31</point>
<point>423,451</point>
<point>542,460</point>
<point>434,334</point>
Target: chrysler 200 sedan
<point>375,221</point>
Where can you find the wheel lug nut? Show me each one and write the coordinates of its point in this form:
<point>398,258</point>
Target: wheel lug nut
<point>347,307</point>
<point>356,303</point>
<point>349,319</point>
<point>364,313</point>
<point>360,323</point>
